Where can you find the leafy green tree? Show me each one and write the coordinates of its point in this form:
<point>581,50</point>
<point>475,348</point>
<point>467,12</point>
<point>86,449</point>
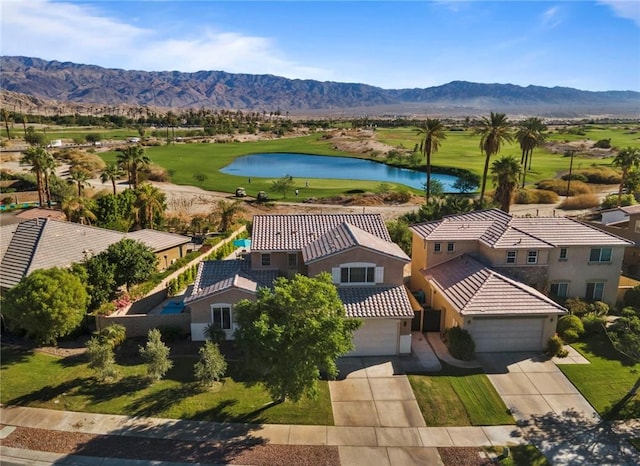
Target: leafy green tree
<point>111,172</point>
<point>92,138</point>
<point>200,178</point>
<point>116,212</point>
<point>292,333</point>
<point>530,134</point>
<point>467,182</point>
<point>113,335</point>
<point>212,366</point>
<point>101,359</point>
<point>283,185</point>
<point>156,355</point>
<point>79,209</point>
<point>400,234</point>
<point>101,281</point>
<point>34,138</point>
<point>627,159</point>
<point>624,334</point>
<point>47,304</point>
<point>134,261</point>
<point>432,134</point>
<point>494,132</point>
<point>506,172</point>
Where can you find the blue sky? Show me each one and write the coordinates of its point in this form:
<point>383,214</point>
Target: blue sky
<point>592,45</point>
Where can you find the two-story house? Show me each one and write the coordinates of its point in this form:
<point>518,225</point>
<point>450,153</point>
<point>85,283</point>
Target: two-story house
<point>494,274</point>
<point>368,270</point>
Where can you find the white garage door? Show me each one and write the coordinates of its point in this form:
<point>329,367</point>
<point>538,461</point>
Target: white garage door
<point>376,337</point>
<point>504,334</point>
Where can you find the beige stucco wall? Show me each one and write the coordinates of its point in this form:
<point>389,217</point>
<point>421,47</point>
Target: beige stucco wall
<point>279,261</point>
<point>201,310</point>
<point>578,271</point>
<point>394,269</point>
<point>498,257</point>
<point>138,325</point>
<point>172,255</point>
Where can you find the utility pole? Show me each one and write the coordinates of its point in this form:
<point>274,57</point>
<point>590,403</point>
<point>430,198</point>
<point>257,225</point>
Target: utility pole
<point>571,153</point>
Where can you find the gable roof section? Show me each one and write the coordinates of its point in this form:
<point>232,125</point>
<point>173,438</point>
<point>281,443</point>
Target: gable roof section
<point>376,301</point>
<point>293,232</point>
<point>220,275</point>
<point>346,236</point>
<point>497,229</point>
<point>475,289</point>
<point>45,243</point>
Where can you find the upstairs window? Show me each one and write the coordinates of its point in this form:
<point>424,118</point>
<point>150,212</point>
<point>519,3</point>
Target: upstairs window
<point>532,257</point>
<point>451,247</point>
<point>512,256</point>
<point>357,274</point>
<point>563,254</point>
<point>437,247</point>
<point>265,259</point>
<point>600,255</point>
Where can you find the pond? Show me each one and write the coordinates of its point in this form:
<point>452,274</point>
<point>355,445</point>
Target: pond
<point>276,165</point>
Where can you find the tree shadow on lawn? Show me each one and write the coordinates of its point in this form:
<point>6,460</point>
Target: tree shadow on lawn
<point>102,391</point>
<point>156,403</point>
<point>72,361</point>
<point>573,437</point>
<point>48,393</point>
<point>13,354</point>
<point>600,346</point>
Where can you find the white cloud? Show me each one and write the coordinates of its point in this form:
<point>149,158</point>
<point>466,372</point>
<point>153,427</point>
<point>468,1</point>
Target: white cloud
<point>629,9</point>
<point>83,34</point>
<point>551,17</point>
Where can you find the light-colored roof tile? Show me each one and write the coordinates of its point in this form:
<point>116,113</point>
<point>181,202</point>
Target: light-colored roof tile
<point>475,289</point>
<point>346,236</point>
<point>293,232</point>
<point>158,240</point>
<point>376,301</point>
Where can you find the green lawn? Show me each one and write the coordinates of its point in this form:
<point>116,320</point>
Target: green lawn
<point>45,381</point>
<point>606,380</point>
<point>459,397</point>
<point>522,455</point>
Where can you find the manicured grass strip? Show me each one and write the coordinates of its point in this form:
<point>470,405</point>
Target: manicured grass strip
<point>45,381</point>
<point>524,455</point>
<point>606,380</point>
<point>456,397</point>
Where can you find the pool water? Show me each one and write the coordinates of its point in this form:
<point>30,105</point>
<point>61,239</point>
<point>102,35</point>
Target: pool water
<point>172,307</point>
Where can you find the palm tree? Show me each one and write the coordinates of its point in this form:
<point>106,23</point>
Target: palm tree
<point>77,209</point>
<point>493,131</point>
<point>150,201</point>
<point>80,178</point>
<point>41,162</point>
<point>132,159</point>
<point>626,159</point>
<point>530,134</point>
<point>226,212</point>
<point>5,118</point>
<point>506,172</point>
<point>432,135</point>
<point>111,172</point>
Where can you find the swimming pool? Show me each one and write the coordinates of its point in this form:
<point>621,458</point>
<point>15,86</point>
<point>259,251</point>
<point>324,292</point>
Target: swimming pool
<point>172,307</point>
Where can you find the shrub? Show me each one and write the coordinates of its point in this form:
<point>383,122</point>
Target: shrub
<point>211,366</point>
<point>599,308</point>
<point>156,173</point>
<point>555,347</point>
<point>575,176</point>
<point>460,344</point>
<point>632,297</point>
<point>113,335</point>
<point>583,201</point>
<point>560,187</point>
<point>156,355</point>
<point>612,200</point>
<point>536,196</point>
<point>402,196</point>
<point>603,144</point>
<point>577,306</point>
<point>593,324</point>
<point>170,332</point>
<point>101,359</point>
<point>600,175</point>
<point>215,333</point>
<point>570,328</point>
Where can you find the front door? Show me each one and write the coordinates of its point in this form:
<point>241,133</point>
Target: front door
<point>431,320</point>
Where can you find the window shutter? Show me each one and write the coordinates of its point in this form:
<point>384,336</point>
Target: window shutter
<point>335,272</point>
<point>379,275</point>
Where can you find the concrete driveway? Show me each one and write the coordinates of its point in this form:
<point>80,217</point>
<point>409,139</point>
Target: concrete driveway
<point>373,392</point>
<point>531,385</point>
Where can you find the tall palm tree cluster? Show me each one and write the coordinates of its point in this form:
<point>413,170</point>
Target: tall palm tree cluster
<point>494,131</point>
<point>43,166</point>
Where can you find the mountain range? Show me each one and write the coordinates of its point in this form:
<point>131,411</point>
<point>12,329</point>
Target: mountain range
<point>67,82</point>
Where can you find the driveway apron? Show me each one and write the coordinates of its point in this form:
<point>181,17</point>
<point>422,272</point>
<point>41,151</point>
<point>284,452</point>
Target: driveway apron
<point>554,415</point>
<point>373,392</point>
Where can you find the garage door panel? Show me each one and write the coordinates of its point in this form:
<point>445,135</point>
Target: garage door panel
<point>515,334</point>
<point>376,337</point>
